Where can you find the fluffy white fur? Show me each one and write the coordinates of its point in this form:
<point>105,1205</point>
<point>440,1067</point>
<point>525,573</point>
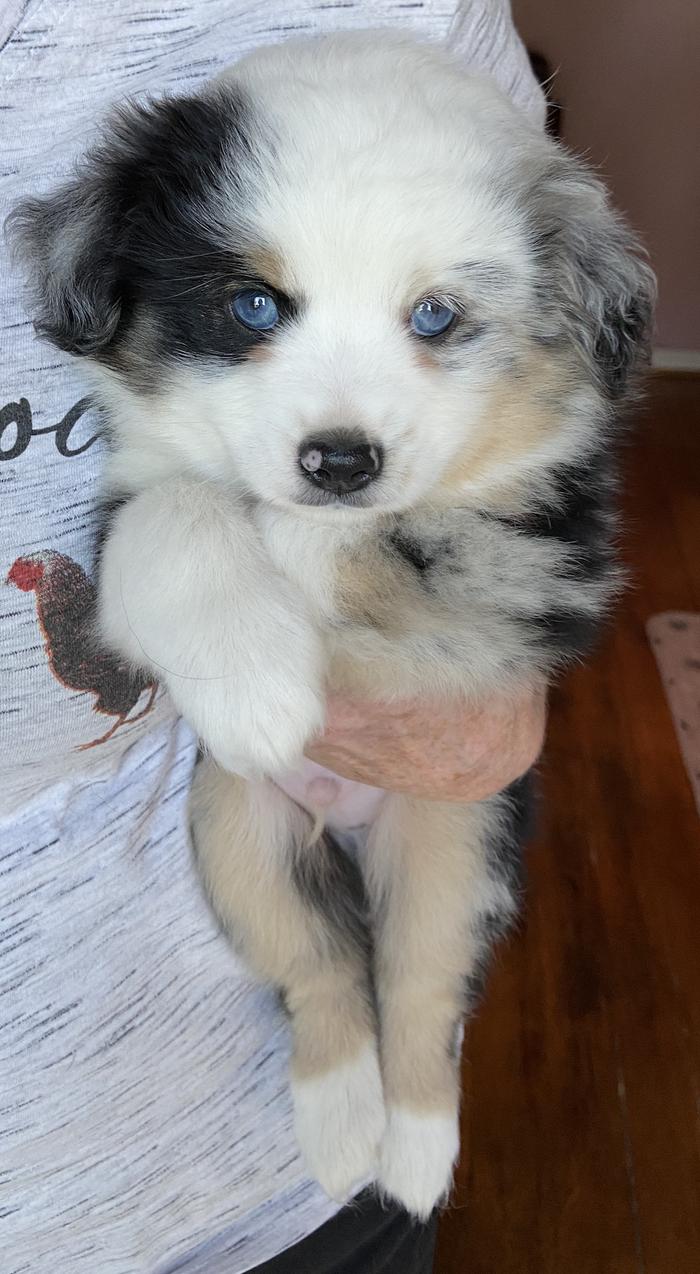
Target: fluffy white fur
<point>249,680</point>
<point>417,1157</point>
<point>339,1119</point>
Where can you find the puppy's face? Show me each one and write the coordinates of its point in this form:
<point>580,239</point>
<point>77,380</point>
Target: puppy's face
<point>347,277</point>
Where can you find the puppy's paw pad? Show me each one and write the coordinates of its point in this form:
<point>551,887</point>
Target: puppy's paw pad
<point>416,1159</point>
<point>340,1120</point>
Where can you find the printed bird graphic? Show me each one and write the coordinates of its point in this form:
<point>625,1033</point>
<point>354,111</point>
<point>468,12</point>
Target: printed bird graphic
<point>65,607</point>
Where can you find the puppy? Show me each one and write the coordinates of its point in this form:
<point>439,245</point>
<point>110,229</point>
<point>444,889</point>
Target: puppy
<point>362,337</point>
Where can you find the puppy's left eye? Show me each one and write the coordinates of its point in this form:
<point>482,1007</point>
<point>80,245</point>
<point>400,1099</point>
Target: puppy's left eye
<point>256,309</point>
<point>431,318</point>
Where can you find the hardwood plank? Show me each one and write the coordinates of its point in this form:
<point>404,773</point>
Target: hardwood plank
<point>581,1118</point>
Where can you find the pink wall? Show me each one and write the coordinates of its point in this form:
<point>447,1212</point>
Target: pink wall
<point>629,79</point>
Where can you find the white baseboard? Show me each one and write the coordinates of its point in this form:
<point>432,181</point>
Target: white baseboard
<point>676,360</point>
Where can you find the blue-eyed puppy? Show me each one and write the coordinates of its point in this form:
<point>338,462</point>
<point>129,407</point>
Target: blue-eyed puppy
<point>362,336</point>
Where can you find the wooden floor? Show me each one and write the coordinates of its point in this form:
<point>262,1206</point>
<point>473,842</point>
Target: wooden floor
<point>581,1124</point>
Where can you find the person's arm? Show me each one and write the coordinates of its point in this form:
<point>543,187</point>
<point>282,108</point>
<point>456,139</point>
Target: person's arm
<point>447,752</point>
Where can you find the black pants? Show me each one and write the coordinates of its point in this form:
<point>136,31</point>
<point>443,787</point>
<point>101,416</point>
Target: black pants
<point>364,1238</point>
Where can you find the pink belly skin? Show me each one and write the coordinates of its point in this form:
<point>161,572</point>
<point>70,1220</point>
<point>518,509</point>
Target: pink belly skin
<point>341,803</point>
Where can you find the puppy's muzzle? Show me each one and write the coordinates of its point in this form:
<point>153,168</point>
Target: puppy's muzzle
<point>341,465</point>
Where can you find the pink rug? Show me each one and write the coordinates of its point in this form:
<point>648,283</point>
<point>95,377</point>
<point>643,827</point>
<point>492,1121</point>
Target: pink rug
<point>675,641</point>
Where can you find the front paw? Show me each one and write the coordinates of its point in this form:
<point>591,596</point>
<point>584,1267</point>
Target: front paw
<point>339,1119</point>
<point>262,729</point>
<point>417,1158</point>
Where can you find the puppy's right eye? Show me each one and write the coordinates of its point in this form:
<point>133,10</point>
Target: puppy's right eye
<point>255,309</point>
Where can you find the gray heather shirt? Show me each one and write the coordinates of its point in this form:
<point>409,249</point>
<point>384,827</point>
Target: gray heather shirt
<point>145,1120</point>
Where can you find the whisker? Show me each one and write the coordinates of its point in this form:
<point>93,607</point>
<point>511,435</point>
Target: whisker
<point>173,296</point>
<point>191,256</point>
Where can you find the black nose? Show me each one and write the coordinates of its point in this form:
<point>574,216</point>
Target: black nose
<point>340,465</point>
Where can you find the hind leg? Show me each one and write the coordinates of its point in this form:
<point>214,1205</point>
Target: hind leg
<point>436,901</point>
<point>295,912</point>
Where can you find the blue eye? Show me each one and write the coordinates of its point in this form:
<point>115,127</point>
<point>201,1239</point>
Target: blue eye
<point>255,309</point>
<point>431,318</point>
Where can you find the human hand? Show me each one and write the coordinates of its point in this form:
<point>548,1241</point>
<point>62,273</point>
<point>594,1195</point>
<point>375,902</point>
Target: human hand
<point>430,749</point>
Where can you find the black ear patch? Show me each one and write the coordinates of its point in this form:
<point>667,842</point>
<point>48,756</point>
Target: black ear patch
<point>66,242</point>
<point>594,282</point>
<point>136,199</point>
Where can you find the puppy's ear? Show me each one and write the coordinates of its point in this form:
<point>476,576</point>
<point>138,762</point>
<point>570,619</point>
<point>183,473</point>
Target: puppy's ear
<point>593,268</point>
<point>68,243</point>
<point>87,246</point>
